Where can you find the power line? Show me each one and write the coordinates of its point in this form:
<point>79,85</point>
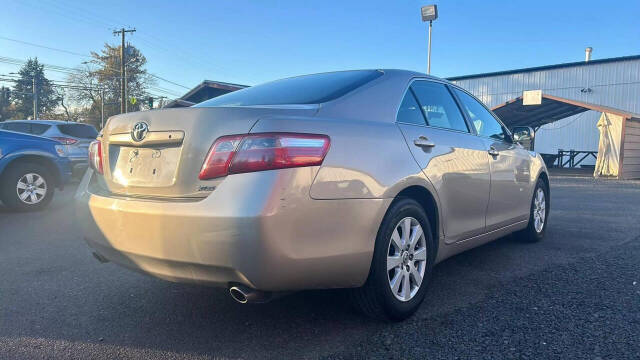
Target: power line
<point>85,15</point>
<point>44,47</point>
<point>169,81</point>
<point>79,71</point>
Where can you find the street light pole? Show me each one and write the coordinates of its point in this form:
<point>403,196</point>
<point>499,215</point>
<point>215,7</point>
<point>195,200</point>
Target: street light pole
<point>429,50</point>
<point>429,13</point>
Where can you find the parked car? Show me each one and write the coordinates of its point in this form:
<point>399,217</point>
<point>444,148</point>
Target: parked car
<point>356,179</point>
<point>75,136</point>
<point>31,167</point>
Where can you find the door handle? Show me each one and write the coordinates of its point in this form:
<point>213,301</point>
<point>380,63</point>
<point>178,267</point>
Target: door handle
<point>423,142</point>
<point>493,151</point>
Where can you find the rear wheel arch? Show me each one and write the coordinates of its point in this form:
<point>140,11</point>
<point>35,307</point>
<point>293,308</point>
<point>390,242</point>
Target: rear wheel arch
<point>545,178</point>
<point>543,175</point>
<point>425,198</point>
<point>43,161</point>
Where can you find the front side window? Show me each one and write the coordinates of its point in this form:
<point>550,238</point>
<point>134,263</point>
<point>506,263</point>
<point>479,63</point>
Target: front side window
<point>306,89</point>
<point>438,106</point>
<point>481,118</point>
<point>409,112</point>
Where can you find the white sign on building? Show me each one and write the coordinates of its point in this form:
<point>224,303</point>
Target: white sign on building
<point>532,97</point>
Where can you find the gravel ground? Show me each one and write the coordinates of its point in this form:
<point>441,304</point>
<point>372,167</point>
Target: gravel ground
<point>574,295</point>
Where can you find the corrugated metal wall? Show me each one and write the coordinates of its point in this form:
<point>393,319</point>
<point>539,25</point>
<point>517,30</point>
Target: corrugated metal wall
<point>631,160</point>
<point>613,84</point>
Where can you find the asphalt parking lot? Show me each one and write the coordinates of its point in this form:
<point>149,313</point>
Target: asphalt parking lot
<point>575,295</point>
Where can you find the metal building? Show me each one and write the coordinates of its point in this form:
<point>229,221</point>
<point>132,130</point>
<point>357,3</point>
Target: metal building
<point>612,82</point>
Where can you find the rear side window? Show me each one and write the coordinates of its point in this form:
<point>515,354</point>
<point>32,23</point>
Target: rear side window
<point>438,106</point>
<point>39,129</point>
<point>409,112</point>
<point>83,131</point>
<point>307,89</point>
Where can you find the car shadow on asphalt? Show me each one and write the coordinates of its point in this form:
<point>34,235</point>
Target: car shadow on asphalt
<point>194,319</point>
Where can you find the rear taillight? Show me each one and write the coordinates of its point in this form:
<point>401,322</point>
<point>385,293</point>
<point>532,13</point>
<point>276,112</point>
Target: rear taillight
<point>268,151</point>
<point>65,140</point>
<point>95,156</point>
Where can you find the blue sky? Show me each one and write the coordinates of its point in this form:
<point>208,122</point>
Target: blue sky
<point>249,42</point>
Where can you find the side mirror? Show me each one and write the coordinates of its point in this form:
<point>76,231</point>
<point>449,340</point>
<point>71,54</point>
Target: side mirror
<point>524,135</point>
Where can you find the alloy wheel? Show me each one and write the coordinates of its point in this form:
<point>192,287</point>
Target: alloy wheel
<point>406,259</point>
<point>31,188</point>
<point>539,210</point>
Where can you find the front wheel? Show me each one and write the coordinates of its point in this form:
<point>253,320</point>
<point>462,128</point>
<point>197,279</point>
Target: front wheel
<point>402,263</point>
<point>26,187</point>
<point>538,216</point>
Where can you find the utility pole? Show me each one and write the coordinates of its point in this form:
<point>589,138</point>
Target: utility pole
<point>35,99</point>
<point>123,90</point>
<point>102,108</point>
<point>126,95</point>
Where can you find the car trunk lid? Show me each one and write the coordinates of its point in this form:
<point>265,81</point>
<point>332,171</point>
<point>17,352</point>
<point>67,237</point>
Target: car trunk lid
<point>160,153</point>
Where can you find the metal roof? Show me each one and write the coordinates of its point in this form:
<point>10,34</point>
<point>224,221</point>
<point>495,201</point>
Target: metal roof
<point>203,91</point>
<point>212,84</point>
<point>553,108</point>
<point>546,67</point>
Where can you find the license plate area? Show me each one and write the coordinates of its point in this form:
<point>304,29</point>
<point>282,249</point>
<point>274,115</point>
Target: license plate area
<point>145,167</point>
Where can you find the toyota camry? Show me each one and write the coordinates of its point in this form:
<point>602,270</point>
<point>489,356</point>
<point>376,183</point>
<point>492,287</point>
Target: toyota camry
<point>356,179</point>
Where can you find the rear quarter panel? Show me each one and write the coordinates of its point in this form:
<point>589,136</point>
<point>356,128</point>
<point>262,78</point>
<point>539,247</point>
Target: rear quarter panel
<point>366,159</point>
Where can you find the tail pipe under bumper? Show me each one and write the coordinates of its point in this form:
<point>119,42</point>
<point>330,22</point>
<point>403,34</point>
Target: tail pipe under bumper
<point>246,295</point>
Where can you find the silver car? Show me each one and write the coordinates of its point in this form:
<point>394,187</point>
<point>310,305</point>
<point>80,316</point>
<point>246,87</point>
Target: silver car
<point>355,179</point>
<point>75,137</point>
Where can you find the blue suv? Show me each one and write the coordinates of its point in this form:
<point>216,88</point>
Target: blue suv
<point>31,167</point>
<point>75,136</point>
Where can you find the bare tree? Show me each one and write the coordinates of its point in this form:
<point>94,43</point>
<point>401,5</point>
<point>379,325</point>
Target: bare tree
<point>103,73</point>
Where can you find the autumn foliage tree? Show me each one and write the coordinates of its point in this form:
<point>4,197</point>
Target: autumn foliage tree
<point>103,72</point>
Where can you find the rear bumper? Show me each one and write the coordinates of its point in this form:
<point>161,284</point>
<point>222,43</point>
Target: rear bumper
<point>261,230</point>
<point>78,167</point>
<point>64,171</point>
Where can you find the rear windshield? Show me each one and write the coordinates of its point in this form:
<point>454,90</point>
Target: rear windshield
<point>307,89</point>
<point>83,131</point>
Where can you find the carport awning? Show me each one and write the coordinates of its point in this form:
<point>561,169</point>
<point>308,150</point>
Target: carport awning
<point>553,108</point>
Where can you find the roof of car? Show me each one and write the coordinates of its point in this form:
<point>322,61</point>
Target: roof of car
<point>392,72</point>
<point>47,122</point>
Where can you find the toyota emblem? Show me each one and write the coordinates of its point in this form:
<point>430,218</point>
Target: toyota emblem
<point>139,131</point>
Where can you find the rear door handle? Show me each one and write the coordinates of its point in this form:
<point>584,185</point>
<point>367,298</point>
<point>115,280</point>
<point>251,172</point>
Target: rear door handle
<point>493,151</point>
<point>423,142</point>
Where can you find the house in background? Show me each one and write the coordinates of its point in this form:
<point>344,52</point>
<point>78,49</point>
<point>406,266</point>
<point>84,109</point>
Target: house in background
<point>206,90</point>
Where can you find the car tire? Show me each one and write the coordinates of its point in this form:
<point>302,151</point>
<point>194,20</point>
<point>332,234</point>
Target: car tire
<point>377,297</point>
<point>26,187</point>
<point>538,215</point>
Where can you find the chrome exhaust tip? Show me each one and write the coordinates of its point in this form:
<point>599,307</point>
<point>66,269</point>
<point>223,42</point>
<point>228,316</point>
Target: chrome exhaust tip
<point>244,294</point>
<point>238,294</point>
